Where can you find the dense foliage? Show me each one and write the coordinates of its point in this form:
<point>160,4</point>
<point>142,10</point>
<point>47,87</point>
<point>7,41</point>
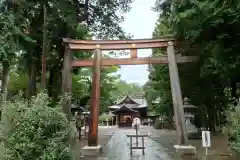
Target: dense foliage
<point>233,129</point>
<point>209,29</point>
<point>123,88</point>
<point>30,29</point>
<point>34,130</point>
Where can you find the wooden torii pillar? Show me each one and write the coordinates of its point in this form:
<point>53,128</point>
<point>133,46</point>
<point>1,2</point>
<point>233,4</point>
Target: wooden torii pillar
<point>176,95</point>
<point>97,62</point>
<point>94,112</point>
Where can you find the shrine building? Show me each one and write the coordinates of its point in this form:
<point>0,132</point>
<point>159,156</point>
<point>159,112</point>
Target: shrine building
<point>127,108</point>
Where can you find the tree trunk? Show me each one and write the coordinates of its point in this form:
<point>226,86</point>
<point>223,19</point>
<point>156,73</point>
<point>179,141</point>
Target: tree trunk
<point>234,91</point>
<point>170,119</point>
<point>32,78</point>
<point>212,124</point>
<point>54,81</point>
<point>44,48</point>
<point>5,79</point>
<point>211,119</point>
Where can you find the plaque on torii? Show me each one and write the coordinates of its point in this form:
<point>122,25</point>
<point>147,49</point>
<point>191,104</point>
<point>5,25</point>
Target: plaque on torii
<point>97,46</point>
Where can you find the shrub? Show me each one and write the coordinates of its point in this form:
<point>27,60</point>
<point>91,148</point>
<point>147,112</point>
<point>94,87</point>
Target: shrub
<point>105,117</point>
<point>233,129</point>
<point>35,130</point>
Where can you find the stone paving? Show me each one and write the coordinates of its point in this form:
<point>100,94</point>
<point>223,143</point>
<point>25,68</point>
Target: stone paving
<point>159,146</point>
<point>118,147</point>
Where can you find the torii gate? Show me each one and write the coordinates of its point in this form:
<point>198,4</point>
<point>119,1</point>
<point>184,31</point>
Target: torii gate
<point>97,46</point>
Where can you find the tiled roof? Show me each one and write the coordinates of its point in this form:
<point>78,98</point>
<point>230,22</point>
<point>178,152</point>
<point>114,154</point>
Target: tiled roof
<point>124,109</point>
<point>126,98</point>
<point>135,103</point>
<point>134,100</point>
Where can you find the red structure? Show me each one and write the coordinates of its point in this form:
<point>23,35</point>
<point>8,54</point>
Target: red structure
<point>128,108</point>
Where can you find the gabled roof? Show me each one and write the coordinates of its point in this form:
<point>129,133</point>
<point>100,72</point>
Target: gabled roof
<point>124,109</point>
<point>128,99</point>
<point>130,102</point>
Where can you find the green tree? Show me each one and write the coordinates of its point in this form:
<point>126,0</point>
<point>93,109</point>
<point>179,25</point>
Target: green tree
<point>158,86</point>
<point>11,33</point>
<point>199,24</point>
<point>70,19</point>
<point>123,88</point>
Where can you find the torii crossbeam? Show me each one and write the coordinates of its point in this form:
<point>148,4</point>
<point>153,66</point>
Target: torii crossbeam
<point>97,46</point>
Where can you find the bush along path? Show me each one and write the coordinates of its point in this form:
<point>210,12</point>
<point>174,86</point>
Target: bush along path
<point>35,130</point>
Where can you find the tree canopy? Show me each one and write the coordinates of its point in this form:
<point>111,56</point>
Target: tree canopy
<point>208,29</point>
<point>32,29</point>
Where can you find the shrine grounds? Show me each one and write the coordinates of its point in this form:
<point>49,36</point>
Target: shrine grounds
<point>159,146</point>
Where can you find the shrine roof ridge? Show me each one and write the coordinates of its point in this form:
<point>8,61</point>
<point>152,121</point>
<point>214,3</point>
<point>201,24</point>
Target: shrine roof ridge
<point>125,97</point>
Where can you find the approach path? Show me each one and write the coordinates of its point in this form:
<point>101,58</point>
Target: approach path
<point>118,147</point>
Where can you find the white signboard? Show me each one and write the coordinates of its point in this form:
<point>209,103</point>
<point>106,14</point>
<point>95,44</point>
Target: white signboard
<point>206,139</point>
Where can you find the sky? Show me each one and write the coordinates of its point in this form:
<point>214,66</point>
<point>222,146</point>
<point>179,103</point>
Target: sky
<point>140,23</point>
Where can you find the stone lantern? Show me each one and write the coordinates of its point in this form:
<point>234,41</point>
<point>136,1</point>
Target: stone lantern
<point>189,109</point>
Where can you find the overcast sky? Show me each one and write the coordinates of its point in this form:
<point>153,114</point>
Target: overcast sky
<point>139,22</point>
